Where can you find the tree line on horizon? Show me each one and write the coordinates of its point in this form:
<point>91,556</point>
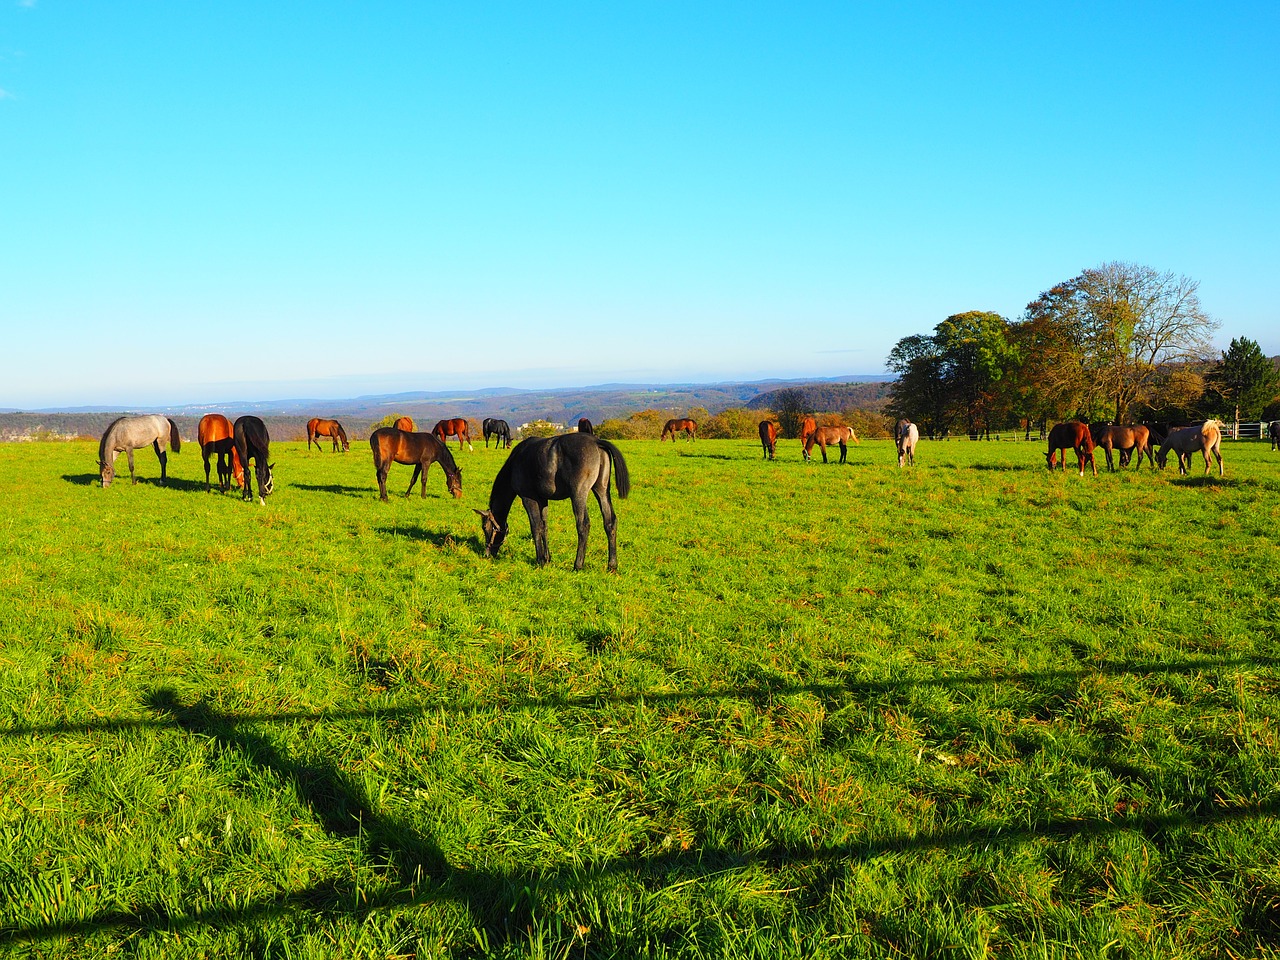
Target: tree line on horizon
<point>1119,342</point>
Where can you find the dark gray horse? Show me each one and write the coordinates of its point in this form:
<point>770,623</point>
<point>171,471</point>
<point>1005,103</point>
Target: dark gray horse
<point>566,467</point>
<point>254,443</point>
<point>1273,431</point>
<point>127,434</point>
<point>497,429</point>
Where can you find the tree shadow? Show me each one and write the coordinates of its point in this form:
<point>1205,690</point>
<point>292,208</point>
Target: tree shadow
<point>437,538</point>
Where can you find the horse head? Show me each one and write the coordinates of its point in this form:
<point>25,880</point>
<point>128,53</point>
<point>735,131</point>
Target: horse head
<point>1052,457</point>
<point>107,472</point>
<point>454,482</point>
<point>494,532</point>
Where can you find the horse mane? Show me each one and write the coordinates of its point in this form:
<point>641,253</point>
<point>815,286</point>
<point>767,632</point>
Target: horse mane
<point>102,444</point>
<point>445,458</point>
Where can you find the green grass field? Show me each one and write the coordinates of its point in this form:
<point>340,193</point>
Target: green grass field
<point>971,709</point>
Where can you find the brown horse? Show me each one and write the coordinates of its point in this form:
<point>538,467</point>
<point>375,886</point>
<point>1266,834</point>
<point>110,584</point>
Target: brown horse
<point>807,426</point>
<point>405,424</point>
<point>1273,432</point>
<point>1205,437</point>
<point>216,435</point>
<point>584,426</point>
<point>390,445</point>
<point>317,428</point>
<point>1127,439</point>
<point>457,427</point>
<point>1072,435</point>
<point>825,435</point>
<point>769,438</point>
<point>676,425</point>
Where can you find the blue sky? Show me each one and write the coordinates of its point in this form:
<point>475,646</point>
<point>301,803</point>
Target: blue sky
<point>204,202</point>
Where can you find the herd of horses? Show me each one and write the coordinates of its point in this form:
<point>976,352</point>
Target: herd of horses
<point>574,465</point>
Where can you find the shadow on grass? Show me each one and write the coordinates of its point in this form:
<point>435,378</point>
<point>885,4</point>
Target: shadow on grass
<point>82,479</point>
<point>1208,481</point>
<point>171,483</point>
<point>341,489</point>
<point>1005,467</point>
<point>438,538</point>
<point>503,905</point>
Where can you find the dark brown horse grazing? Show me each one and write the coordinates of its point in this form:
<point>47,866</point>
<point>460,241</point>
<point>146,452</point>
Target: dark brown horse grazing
<point>584,426</point>
<point>217,435</point>
<point>457,427</point>
<point>405,424</point>
<point>500,430</point>
<point>390,445</point>
<point>1273,432</point>
<point>556,468</point>
<point>1127,439</point>
<point>254,443</point>
<point>824,435</point>
<point>769,438</point>
<point>317,428</point>
<point>677,425</point>
<point>1072,435</point>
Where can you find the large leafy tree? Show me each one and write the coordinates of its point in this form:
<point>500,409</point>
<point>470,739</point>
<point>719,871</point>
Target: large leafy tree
<point>920,393</point>
<point>976,354</point>
<point>1244,381</point>
<point>1047,381</point>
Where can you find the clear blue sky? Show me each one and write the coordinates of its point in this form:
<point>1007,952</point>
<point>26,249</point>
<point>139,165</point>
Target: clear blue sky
<point>218,201</point>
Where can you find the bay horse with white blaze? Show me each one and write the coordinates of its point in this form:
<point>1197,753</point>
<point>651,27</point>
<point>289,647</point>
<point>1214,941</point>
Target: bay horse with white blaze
<point>825,435</point>
<point>567,467</point>
<point>457,427</point>
<point>769,438</point>
<point>390,445</point>
<point>679,425</point>
<point>216,435</point>
<point>1072,435</point>
<point>127,434</point>
<point>317,428</point>
<point>906,434</point>
<point>254,443</point>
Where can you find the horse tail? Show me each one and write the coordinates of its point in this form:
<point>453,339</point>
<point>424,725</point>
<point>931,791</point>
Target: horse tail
<point>175,439</point>
<point>621,477</point>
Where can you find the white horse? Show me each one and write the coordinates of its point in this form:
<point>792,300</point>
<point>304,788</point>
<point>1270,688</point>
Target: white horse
<point>1207,438</point>
<point>907,436</point>
<point>127,434</point>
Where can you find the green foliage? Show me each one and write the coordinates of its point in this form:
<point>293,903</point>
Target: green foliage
<point>735,423</point>
<point>791,407</point>
<point>388,421</point>
<point>538,428</point>
<point>1244,378</point>
<point>969,708</point>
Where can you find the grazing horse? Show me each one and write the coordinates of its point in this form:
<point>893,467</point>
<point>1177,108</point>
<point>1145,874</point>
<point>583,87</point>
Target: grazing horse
<point>1127,439</point>
<point>498,429</point>
<point>807,426</point>
<point>127,434</point>
<point>825,435</point>
<point>254,443</point>
<point>317,428</point>
<point>457,427</point>
<point>405,424</point>
<point>907,435</point>
<point>1072,435</point>
<point>1273,431</point>
<point>390,445</point>
<point>584,426</point>
<point>676,425</point>
<point>556,468</point>
<point>769,438</point>
<point>217,435</point>
<point>1206,437</point>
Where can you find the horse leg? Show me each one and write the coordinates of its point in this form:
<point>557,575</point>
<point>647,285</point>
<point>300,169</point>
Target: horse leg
<point>381,470</point>
<point>583,519</point>
<point>610,525</point>
<point>425,467</point>
<point>132,478</point>
<point>207,487</point>
<point>417,472</point>
<point>538,527</point>
<point>844,451</point>
<point>164,461</point>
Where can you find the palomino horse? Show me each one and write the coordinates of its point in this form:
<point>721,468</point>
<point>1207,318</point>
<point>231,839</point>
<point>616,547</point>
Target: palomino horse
<point>1127,439</point>
<point>498,429</point>
<point>217,435</point>
<point>390,445</point>
<point>317,428</point>
<point>584,426</point>
<point>1273,431</point>
<point>127,434</point>
<point>1072,435</point>
<point>405,424</point>
<point>677,425</point>
<point>906,434</point>
<point>825,435</point>
<point>457,427</point>
<point>254,443</point>
<point>556,468</point>
<point>1206,437</point>
<point>769,438</point>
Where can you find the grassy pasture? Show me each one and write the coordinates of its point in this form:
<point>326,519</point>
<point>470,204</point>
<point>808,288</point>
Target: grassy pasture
<point>822,710</point>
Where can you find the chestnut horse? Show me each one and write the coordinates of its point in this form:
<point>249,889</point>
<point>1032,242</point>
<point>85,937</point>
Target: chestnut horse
<point>457,427</point>
<point>769,438</point>
<point>907,435</point>
<point>676,425</point>
<point>807,426</point>
<point>390,445</point>
<point>216,435</point>
<point>1072,435</point>
<point>1127,439</point>
<point>824,435</point>
<point>1206,437</point>
<point>317,428</point>
<point>405,424</point>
